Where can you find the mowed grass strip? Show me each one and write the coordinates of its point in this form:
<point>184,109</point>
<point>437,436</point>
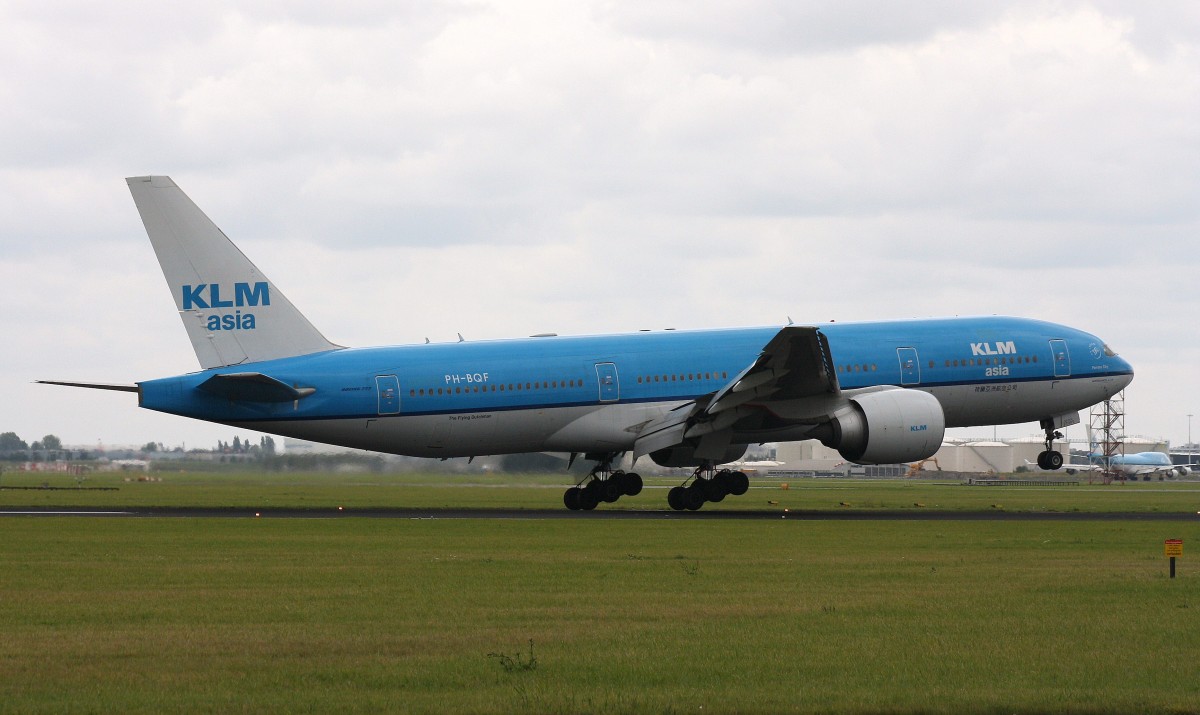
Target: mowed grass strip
<point>516,491</point>
<point>363,615</point>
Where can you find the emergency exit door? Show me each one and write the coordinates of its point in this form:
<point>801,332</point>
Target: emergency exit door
<point>388,390</point>
<point>910,368</point>
<point>610,386</point>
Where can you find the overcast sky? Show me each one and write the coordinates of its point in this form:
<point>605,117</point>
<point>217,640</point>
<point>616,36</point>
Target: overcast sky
<point>404,170</point>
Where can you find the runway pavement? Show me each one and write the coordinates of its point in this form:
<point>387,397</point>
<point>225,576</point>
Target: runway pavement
<point>413,513</point>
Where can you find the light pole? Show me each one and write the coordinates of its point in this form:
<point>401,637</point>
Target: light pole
<point>1191,445</point>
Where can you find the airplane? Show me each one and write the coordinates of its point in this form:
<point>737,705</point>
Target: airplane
<point>878,392</point>
<point>1139,464</point>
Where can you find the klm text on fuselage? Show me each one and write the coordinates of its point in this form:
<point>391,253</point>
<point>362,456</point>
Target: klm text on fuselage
<point>244,295</point>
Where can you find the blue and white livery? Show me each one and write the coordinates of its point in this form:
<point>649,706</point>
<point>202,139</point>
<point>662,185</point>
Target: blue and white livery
<point>879,392</point>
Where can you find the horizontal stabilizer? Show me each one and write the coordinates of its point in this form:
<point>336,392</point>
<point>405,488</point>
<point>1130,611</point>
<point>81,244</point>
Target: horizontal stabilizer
<point>253,387</point>
<point>91,385</point>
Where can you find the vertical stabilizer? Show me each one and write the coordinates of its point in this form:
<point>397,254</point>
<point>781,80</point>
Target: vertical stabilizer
<point>233,314</point>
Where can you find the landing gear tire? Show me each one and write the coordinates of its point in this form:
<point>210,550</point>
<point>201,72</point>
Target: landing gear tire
<point>571,498</point>
<point>739,483</point>
<point>693,497</point>
<point>675,498</point>
<point>611,489</point>
<point>1050,460</point>
<point>633,484</point>
<point>589,498</point>
<point>714,489</point>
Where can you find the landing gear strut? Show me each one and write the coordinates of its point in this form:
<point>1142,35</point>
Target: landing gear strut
<point>1051,458</point>
<point>707,485</point>
<point>602,484</point>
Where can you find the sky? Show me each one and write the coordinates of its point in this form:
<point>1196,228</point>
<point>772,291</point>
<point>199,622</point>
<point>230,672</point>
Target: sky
<point>500,169</point>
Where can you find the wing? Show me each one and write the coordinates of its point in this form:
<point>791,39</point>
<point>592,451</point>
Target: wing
<point>790,385</point>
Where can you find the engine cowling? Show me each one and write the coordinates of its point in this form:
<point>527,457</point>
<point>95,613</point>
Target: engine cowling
<point>888,427</point>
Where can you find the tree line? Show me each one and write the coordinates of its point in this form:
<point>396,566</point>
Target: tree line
<point>12,447</point>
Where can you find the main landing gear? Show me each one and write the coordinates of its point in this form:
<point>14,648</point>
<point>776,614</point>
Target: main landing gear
<point>1051,458</point>
<point>707,486</point>
<point>602,485</point>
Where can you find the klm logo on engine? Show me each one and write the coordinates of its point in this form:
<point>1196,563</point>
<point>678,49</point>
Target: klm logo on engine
<point>918,428</point>
<point>997,348</point>
<point>208,296</point>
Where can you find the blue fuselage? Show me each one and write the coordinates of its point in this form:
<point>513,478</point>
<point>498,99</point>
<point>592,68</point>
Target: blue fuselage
<point>990,370</point>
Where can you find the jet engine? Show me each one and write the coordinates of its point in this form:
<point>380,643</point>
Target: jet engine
<point>888,427</point>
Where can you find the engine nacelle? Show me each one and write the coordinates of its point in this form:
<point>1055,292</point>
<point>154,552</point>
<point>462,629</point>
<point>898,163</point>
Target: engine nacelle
<point>888,427</point>
<point>683,455</point>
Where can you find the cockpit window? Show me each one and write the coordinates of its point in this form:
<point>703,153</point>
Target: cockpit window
<point>1108,352</point>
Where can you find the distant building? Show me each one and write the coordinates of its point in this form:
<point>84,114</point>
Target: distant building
<point>300,446</point>
<point>978,457</point>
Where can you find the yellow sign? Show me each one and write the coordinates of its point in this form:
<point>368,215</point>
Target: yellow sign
<point>1173,547</point>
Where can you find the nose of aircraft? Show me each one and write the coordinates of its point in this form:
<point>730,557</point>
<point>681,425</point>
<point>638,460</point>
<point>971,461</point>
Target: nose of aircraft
<point>1124,373</point>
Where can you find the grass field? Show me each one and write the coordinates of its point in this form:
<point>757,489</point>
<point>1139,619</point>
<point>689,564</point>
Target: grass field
<point>672,615</point>
<point>322,490</point>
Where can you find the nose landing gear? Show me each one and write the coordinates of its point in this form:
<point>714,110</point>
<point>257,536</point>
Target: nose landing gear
<point>1050,459</point>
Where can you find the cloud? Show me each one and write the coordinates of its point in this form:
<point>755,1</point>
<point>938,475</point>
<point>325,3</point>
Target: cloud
<point>421,169</point>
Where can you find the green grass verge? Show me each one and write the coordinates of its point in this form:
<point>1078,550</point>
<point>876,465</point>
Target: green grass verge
<point>324,490</point>
<point>673,616</point>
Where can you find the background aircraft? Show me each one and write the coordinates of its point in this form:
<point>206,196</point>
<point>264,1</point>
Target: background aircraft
<point>1140,464</point>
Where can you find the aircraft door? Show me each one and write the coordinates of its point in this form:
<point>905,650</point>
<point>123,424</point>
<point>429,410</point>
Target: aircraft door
<point>610,386</point>
<point>1062,358</point>
<point>388,391</point>
<point>910,368</point>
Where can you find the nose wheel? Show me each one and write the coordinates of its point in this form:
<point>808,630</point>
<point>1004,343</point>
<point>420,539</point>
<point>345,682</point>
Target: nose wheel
<point>1050,459</point>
